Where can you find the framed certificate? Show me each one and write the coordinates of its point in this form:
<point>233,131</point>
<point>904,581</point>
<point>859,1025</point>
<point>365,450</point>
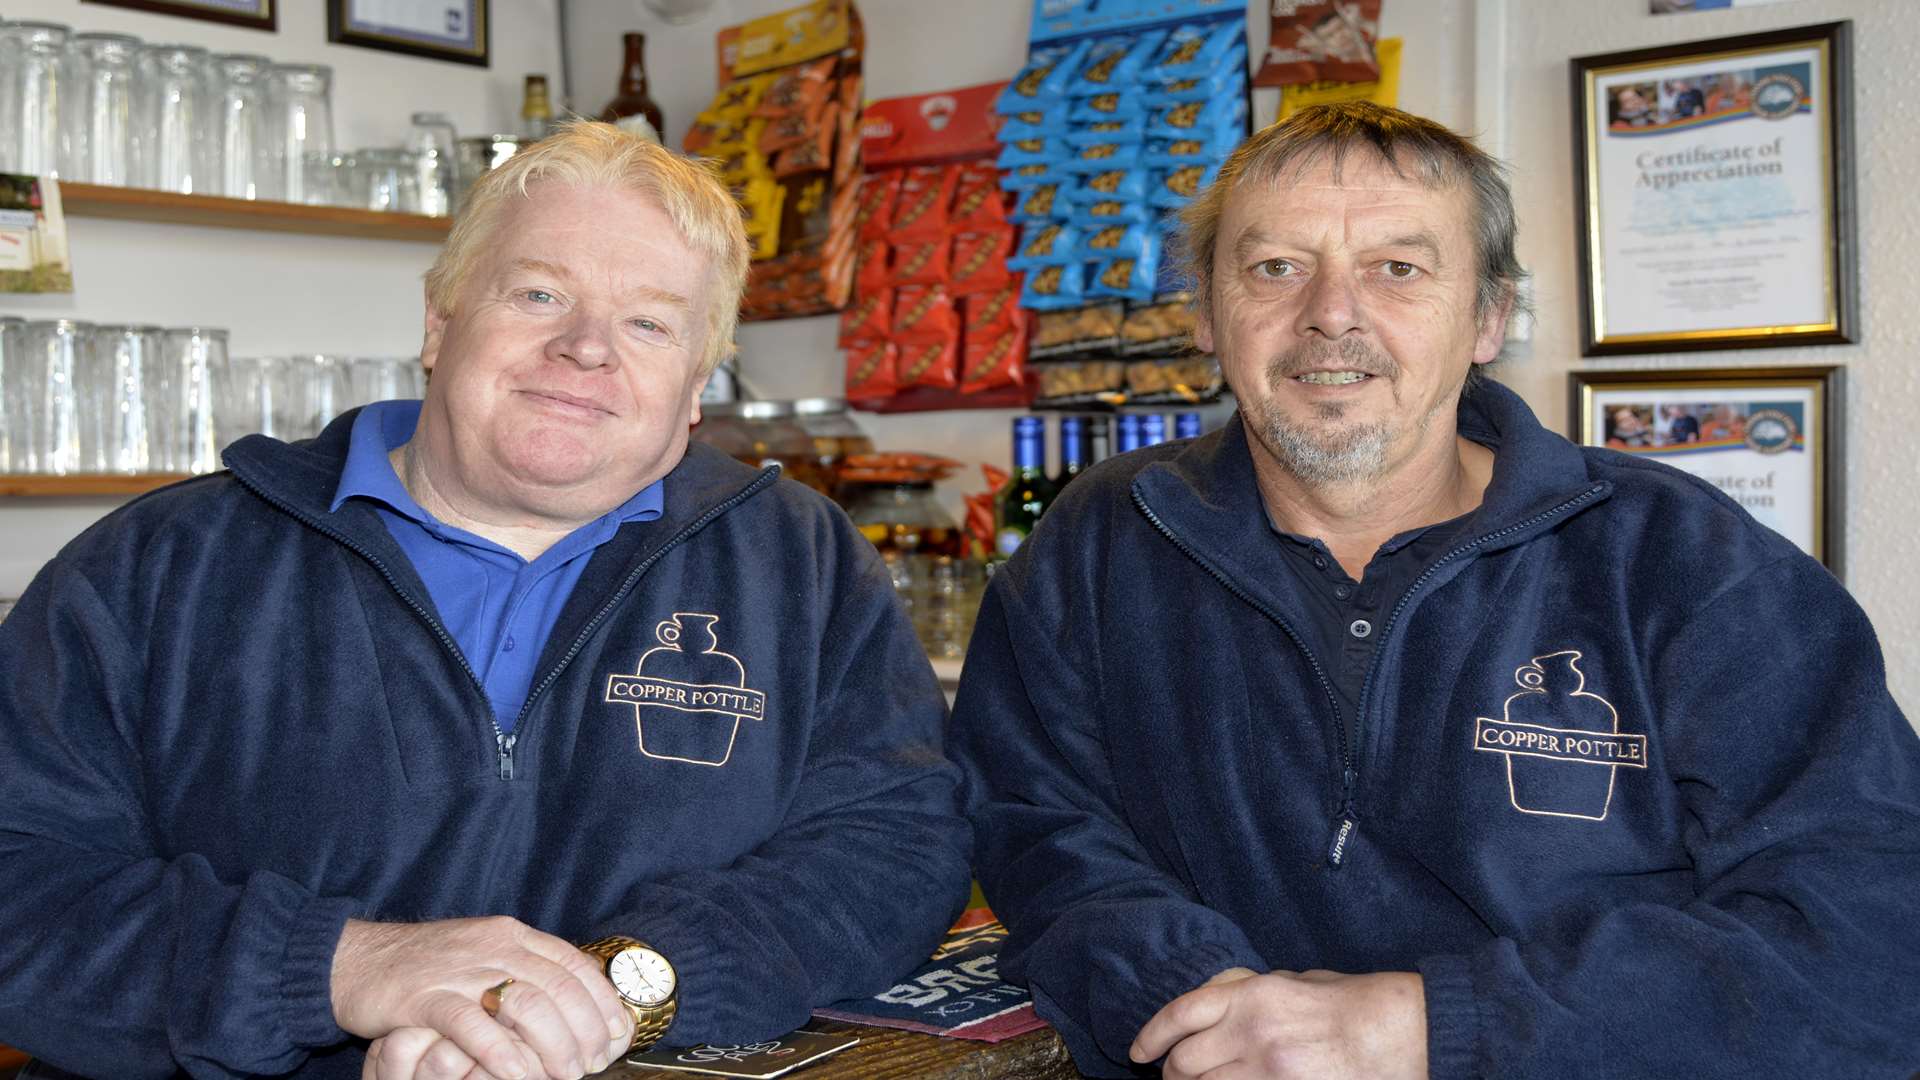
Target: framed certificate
<point>453,30</point>
<point>1770,438</point>
<point>254,14</point>
<point>1714,185</point>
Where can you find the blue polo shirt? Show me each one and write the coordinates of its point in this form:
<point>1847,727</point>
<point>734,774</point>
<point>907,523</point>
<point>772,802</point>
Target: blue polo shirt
<point>498,607</point>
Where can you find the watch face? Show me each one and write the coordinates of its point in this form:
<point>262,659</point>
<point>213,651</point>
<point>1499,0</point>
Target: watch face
<point>641,975</point>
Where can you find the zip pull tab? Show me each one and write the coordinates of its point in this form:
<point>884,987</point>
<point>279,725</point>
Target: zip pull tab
<point>506,742</point>
<point>1337,850</point>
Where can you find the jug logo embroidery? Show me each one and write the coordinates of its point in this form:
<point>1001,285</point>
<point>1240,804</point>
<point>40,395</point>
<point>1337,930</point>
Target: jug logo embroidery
<point>1563,746</point>
<point>688,697</point>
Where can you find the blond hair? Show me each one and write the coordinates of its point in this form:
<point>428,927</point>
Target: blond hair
<point>1435,156</point>
<point>587,153</point>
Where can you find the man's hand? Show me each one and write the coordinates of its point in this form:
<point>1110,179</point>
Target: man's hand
<point>559,1018</point>
<point>1243,1026</point>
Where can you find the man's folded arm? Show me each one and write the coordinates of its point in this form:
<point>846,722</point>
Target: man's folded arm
<point>1100,933</point>
<point>1801,950</point>
<point>871,864</point>
<point>118,960</point>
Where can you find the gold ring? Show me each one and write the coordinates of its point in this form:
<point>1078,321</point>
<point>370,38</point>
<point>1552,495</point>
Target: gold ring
<point>490,997</point>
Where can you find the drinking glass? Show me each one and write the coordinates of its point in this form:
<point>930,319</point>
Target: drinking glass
<point>321,392</point>
<point>300,126</point>
<point>51,362</point>
<point>253,396</point>
<point>113,381</point>
<point>37,81</point>
<point>241,141</point>
<point>386,180</point>
<point>432,140</point>
<point>178,117</point>
<point>106,144</point>
<point>383,378</point>
<point>195,355</point>
<point>13,343</point>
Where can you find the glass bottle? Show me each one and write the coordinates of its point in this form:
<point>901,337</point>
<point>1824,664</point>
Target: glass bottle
<point>536,109</point>
<point>632,108</point>
<point>1126,433</point>
<point>1099,440</point>
<point>1153,429</point>
<point>1073,449</point>
<point>1186,425</point>
<point>1028,491</point>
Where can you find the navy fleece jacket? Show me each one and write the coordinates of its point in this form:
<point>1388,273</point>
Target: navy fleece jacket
<point>230,720</point>
<point>1626,786</point>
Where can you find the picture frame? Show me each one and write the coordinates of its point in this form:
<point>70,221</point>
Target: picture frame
<point>1714,193</point>
<point>457,31</point>
<point>1770,438</point>
<point>252,14</point>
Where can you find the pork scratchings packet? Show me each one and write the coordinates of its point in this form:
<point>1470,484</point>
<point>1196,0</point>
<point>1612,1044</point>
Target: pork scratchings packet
<point>1051,244</point>
<point>979,261</point>
<point>1044,81</point>
<point>1052,287</point>
<point>926,193</point>
<point>1194,51</point>
<point>1114,63</point>
<point>871,375</point>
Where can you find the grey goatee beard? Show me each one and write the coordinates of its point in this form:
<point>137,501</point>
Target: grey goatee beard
<point>1329,453</point>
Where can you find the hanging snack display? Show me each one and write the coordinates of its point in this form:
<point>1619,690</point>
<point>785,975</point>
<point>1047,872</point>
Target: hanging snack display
<point>783,130</point>
<point>1123,113</point>
<point>1331,41</point>
<point>934,322</point>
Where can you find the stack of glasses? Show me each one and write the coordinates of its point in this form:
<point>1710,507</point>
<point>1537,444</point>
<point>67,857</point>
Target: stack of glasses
<point>109,109</point>
<point>76,398</point>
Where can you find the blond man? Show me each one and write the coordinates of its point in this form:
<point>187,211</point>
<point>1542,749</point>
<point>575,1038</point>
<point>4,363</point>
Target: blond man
<point>331,763</point>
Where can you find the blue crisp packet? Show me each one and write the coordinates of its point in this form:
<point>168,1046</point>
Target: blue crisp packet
<point>1026,176</point>
<point>1093,110</point>
<point>1126,185</point>
<point>1230,76</point>
<point>1099,215</point>
<point>1195,51</point>
<point>1112,242</point>
<point>1051,288</point>
<point>1114,63</point>
<point>1032,152</point>
<point>1131,129</point>
<point>1178,186</point>
<point>1046,202</point>
<point>1173,153</point>
<point>1043,82</point>
<point>1131,277</point>
<point>1050,124</point>
<point>1103,157</point>
<point>1199,119</point>
<point>1051,244</point>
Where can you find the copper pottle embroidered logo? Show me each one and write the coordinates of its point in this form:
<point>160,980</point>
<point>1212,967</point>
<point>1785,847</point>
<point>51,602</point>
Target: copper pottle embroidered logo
<point>688,697</point>
<point>1563,745</point>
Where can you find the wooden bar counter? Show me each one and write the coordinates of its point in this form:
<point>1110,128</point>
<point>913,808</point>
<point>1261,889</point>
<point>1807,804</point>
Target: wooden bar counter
<point>887,1054</point>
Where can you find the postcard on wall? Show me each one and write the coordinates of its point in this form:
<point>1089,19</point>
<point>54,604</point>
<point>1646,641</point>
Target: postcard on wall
<point>33,236</point>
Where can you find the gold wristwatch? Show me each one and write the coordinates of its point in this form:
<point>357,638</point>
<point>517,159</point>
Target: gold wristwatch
<point>645,983</point>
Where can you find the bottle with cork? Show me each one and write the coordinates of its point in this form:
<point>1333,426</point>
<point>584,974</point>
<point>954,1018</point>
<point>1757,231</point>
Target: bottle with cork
<point>632,107</point>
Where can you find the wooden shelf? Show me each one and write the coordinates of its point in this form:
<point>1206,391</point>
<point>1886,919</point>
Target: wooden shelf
<point>23,484</point>
<point>169,208</point>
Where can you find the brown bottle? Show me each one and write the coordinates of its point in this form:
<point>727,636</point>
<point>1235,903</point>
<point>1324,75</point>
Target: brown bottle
<point>536,111</point>
<point>633,103</point>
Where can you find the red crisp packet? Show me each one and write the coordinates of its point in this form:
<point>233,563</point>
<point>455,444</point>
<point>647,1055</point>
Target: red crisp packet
<point>994,360</point>
<point>869,317</point>
<point>925,194</point>
<point>920,261</point>
<point>871,274</point>
<point>924,311</point>
<point>931,362</point>
<point>979,261</point>
<point>871,374</point>
<point>990,312</point>
<point>978,202</point>
<point>1329,41</point>
<point>873,216</point>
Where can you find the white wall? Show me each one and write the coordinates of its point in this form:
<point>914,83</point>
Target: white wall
<point>276,293</point>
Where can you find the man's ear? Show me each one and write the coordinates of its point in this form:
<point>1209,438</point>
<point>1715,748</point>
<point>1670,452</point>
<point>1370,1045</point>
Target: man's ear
<point>1203,322</point>
<point>1491,333</point>
<point>436,332</point>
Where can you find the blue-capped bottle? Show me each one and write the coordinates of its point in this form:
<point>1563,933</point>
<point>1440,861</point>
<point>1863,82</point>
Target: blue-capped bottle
<point>1028,491</point>
<point>1153,429</point>
<point>1126,433</point>
<point>1186,425</point>
<point>1075,457</point>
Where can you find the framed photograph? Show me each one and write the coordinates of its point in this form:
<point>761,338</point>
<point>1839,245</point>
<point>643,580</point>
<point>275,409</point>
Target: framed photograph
<point>1715,193</point>
<point>1770,438</point>
<point>454,30</point>
<point>253,14</point>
